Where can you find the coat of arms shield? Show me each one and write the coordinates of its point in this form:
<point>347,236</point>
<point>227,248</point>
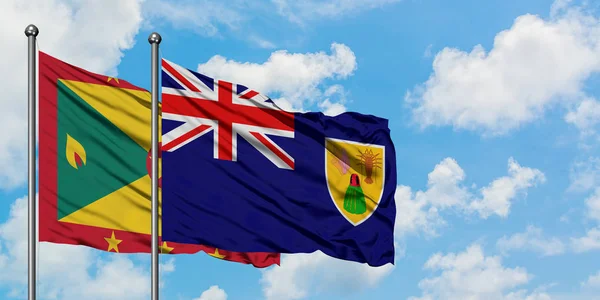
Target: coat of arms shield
<point>355,174</point>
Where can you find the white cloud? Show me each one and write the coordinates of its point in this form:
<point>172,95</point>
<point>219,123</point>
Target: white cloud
<point>472,275</point>
<point>75,31</point>
<point>559,6</point>
<point>300,275</point>
<point>585,117</point>
<point>497,196</point>
<point>209,17</point>
<point>68,271</point>
<point>261,42</point>
<point>533,240</point>
<point>427,53</point>
<point>589,242</point>
<point>213,293</point>
<point>420,212</point>
<point>333,105</point>
<point>585,175</point>
<point>301,11</point>
<point>532,66</point>
<point>108,283</point>
<point>200,16</point>
<point>168,266</point>
<point>285,104</point>
<point>593,282</point>
<point>443,184</point>
<point>296,77</point>
<point>592,204</point>
<point>415,214</point>
<point>535,295</point>
<point>331,109</point>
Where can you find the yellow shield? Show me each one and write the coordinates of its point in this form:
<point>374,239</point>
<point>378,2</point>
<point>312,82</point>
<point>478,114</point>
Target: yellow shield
<point>355,175</point>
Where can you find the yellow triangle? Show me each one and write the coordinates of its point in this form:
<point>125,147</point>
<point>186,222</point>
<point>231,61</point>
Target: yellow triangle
<point>127,109</point>
<point>127,209</point>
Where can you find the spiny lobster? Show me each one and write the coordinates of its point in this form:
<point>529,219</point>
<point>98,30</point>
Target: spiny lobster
<point>369,161</point>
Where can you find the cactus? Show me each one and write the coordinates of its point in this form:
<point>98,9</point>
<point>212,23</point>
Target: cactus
<point>354,199</point>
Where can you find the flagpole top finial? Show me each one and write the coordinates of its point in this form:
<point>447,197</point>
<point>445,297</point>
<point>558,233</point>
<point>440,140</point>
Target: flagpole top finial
<point>154,38</point>
<point>31,30</point>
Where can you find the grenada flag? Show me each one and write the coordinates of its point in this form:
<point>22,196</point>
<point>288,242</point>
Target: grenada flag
<point>94,165</point>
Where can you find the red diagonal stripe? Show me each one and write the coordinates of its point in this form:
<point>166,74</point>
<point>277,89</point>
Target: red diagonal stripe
<point>275,150</point>
<point>184,137</point>
<point>249,95</point>
<point>179,77</point>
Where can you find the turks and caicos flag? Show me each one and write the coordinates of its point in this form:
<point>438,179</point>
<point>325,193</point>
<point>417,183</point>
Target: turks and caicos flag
<point>240,174</point>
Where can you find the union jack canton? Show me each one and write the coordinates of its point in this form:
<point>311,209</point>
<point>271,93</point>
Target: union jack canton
<point>202,105</point>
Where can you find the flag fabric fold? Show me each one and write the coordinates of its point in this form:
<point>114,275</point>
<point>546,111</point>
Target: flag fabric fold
<point>242,174</point>
<point>94,165</point>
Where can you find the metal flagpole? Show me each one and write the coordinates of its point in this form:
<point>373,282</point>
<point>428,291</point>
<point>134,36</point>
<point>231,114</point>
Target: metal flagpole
<point>31,32</point>
<point>154,39</point>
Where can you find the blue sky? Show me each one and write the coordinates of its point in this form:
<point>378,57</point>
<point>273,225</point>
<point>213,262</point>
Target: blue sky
<point>492,108</point>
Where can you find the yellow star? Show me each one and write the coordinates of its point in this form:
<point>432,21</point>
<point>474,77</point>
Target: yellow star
<point>216,254</point>
<point>113,242</point>
<point>165,249</point>
<point>108,79</point>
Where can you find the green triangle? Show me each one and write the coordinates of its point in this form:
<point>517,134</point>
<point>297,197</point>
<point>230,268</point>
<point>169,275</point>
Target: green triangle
<point>113,159</point>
